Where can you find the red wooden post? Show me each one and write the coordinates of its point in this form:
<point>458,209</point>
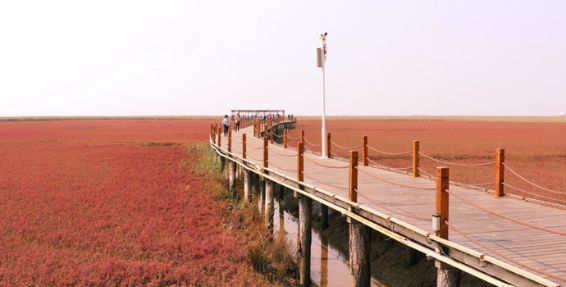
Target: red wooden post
<point>353,177</point>
<point>300,161</point>
<point>365,150</point>
<point>244,145</point>
<point>229,139</point>
<point>303,136</point>
<point>265,151</point>
<point>442,202</point>
<point>212,134</point>
<point>285,137</point>
<point>220,136</point>
<point>416,172</point>
<point>499,172</point>
<point>328,141</point>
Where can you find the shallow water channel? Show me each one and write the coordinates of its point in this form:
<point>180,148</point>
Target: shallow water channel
<point>329,266</point>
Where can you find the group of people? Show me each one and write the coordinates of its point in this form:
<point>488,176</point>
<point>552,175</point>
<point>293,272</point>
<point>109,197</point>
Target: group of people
<point>226,123</point>
<point>264,117</point>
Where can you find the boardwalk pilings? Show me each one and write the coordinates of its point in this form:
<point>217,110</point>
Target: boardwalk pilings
<point>285,137</point>
<point>247,185</point>
<point>232,179</point>
<point>365,150</point>
<point>499,172</point>
<point>359,233</point>
<point>446,275</point>
<point>269,210</point>
<point>304,234</point>
<point>328,141</point>
<point>416,172</point>
<point>304,246</point>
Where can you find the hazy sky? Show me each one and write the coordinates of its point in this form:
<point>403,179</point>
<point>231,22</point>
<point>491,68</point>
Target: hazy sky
<point>491,57</point>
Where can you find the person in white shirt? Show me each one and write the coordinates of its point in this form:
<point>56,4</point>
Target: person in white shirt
<point>226,124</point>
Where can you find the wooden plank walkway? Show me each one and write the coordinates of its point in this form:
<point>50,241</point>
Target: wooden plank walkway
<point>526,235</point>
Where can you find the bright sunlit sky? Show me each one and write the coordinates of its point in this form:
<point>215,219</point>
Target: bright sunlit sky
<point>486,57</point>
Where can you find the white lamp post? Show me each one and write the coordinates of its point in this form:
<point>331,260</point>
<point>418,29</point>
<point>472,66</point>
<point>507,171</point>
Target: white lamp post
<point>321,63</point>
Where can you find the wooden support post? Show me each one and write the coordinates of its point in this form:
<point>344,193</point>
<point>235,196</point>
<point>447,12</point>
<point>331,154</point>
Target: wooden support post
<point>244,146</point>
<point>261,203</point>
<point>447,276</point>
<point>304,242</point>
<point>499,172</point>
<point>223,166</point>
<point>416,172</point>
<point>280,200</point>
<point>247,185</point>
<point>265,151</point>
<point>285,137</point>
<point>359,244</point>
<point>220,136</point>
<point>229,139</point>
<point>328,141</point>
<point>303,136</point>
<point>232,179</point>
<point>269,206</point>
<point>353,177</point>
<point>365,150</point>
<point>323,260</point>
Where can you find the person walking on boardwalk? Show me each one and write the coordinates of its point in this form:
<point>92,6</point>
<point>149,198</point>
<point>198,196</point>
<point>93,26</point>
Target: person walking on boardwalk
<point>237,121</point>
<point>226,124</point>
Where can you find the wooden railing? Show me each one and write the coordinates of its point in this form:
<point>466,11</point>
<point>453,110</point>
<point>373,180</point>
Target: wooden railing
<point>435,245</point>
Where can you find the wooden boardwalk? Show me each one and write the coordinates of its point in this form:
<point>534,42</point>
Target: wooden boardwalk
<point>528,236</point>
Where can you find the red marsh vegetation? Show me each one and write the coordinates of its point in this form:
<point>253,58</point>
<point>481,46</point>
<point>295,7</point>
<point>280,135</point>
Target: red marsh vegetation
<point>534,150</point>
<point>112,203</point>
